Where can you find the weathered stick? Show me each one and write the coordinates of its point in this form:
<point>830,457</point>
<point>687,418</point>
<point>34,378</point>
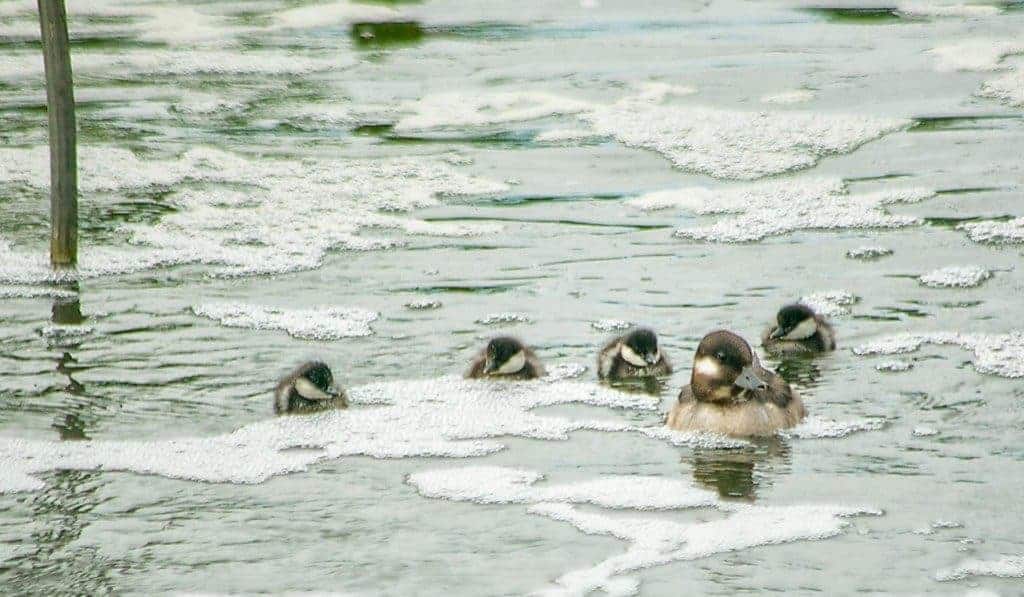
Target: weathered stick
<point>60,101</point>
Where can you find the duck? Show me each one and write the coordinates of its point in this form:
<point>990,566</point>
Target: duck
<point>308,388</point>
<point>799,329</point>
<point>633,354</point>
<point>505,357</point>
<point>732,394</point>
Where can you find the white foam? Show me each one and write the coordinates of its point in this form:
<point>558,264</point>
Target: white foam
<point>446,417</point>
<point>993,232</point>
<point>35,292</point>
<point>967,276</point>
<point>755,211</point>
<point>287,217</point>
<point>610,325</point>
<point>461,110</point>
<point>567,135</point>
<point>793,96</point>
<point>1005,567</point>
<point>816,428</point>
<point>332,13</point>
<point>894,366</point>
<point>566,371</point>
<point>503,318</point>
<point>318,323</point>
<point>500,485</point>
<point>423,304</point>
<point>134,63</point>
<point>931,9</point>
<point>693,439</point>
<point>996,354</point>
<point>924,431</point>
<point>1008,88</point>
<point>831,303</point>
<point>58,333</point>
<point>653,541</point>
<point>736,144</point>
<point>657,541</point>
<point>974,54</point>
<point>869,252</point>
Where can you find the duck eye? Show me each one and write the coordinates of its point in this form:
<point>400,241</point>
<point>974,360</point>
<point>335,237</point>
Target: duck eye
<point>720,356</point>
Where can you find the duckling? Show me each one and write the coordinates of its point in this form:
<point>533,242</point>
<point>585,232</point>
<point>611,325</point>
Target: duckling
<point>634,354</point>
<point>505,357</point>
<point>310,387</point>
<point>731,393</point>
<point>799,329</point>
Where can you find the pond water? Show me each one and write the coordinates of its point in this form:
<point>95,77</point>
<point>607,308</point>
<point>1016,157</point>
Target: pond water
<point>384,185</point>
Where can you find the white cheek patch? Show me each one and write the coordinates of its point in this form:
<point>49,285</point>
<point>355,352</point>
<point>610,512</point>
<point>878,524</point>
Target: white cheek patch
<point>632,357</point>
<point>806,329</point>
<point>707,367</point>
<point>309,391</point>
<point>514,364</point>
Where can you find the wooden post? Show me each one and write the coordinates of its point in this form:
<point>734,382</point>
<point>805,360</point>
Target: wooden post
<point>60,107</point>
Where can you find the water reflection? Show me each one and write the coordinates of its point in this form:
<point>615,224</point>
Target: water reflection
<point>68,311</point>
<point>654,386</point>
<point>799,370</point>
<point>740,473</point>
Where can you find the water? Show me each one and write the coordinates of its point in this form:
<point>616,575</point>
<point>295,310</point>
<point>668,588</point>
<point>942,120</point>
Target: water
<point>385,185</point>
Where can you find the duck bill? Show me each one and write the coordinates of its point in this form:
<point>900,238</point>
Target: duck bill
<point>652,358</point>
<point>778,333</point>
<point>749,380</point>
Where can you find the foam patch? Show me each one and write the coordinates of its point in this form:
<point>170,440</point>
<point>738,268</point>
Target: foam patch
<point>658,541</point>
<point>924,431</point>
<point>1008,88</point>
<point>918,10</point>
<point>423,305</point>
<point>974,54</point>
<point>794,96</point>
<point>573,135</point>
<point>995,233</point>
<point>265,216</point>
<point>968,276</point>
<point>447,417</point>
<point>320,323</point>
<point>460,110</point>
<point>868,253</point>
<point>503,318</point>
<point>735,144</point>
<point>653,541</point>
<point>996,354</point>
<point>610,325</point>
<point>755,211</point>
<point>35,292</point>
<point>816,428</point>
<point>499,485</point>
<point>831,303</point>
<point>894,366</point>
<point>1004,567</point>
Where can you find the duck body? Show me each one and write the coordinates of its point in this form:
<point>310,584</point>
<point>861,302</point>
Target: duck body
<point>754,416</point>
<point>798,329</point>
<point>632,355</point>
<point>732,394</point>
<point>308,388</point>
<point>507,358</point>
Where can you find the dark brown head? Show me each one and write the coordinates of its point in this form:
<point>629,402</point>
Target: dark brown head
<point>640,347</point>
<point>309,387</point>
<point>505,355</point>
<point>794,322</point>
<point>724,367</point>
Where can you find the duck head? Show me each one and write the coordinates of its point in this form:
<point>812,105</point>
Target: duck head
<point>724,367</point>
